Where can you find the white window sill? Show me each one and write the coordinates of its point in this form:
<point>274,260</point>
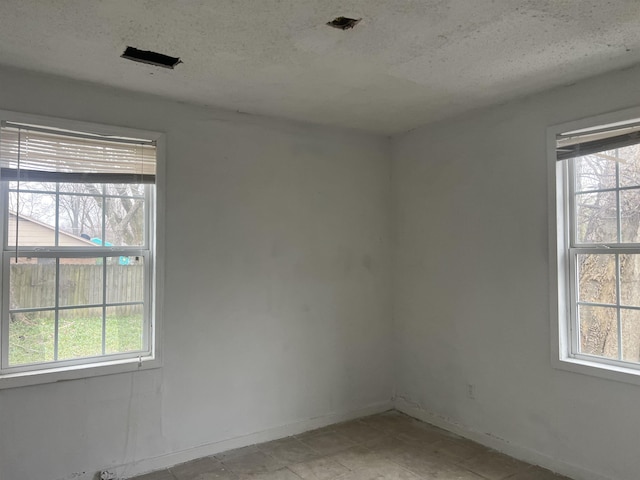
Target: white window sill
<point>597,369</point>
<point>52,375</point>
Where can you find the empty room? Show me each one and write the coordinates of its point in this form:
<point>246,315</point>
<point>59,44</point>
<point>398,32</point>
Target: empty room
<point>318,240</point>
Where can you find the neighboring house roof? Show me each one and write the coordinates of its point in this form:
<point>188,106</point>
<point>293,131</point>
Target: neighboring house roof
<point>35,233</point>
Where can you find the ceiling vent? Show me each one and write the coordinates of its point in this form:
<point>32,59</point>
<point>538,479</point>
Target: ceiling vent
<point>152,58</point>
<point>344,23</point>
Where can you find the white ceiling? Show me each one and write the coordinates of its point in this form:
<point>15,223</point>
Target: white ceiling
<point>407,63</point>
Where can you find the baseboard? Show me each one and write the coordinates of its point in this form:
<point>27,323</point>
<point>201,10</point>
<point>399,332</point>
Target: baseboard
<point>517,451</point>
<point>174,458</point>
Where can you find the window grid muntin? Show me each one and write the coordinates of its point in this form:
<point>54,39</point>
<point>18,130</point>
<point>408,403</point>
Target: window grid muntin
<point>58,252</point>
<point>576,248</point>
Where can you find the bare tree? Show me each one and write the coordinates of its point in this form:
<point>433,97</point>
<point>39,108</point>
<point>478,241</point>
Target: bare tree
<point>82,206</point>
<point>604,215</point>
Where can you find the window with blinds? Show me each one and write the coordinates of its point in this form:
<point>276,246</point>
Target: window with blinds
<point>598,237</point>
<point>32,153</point>
<point>78,262</point>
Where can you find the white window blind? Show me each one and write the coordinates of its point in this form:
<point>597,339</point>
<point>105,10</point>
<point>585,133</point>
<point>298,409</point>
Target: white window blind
<point>31,153</point>
<point>586,142</point>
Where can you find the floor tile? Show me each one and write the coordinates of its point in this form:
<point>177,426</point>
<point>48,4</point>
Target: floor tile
<point>429,463</point>
<point>422,462</point>
<point>431,452</point>
<point>390,422</point>
<point>289,450</point>
<point>319,469</point>
<point>435,468</point>
<point>328,442</point>
<point>252,462</point>
<point>388,472</point>
<point>358,458</point>
<point>359,432</point>
<point>313,433</point>
<point>460,449</point>
<point>236,452</point>
<point>282,474</point>
<point>205,468</point>
<point>388,446</point>
<point>456,473</point>
<point>157,475</point>
<point>392,471</point>
<point>537,473</point>
<point>421,434</point>
<point>494,465</point>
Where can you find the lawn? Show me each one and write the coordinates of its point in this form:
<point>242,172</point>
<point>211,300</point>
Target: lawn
<point>32,339</point>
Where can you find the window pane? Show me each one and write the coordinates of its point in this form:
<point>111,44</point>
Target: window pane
<point>597,278</point>
<point>124,329</point>
<point>630,215</point>
<point>80,221</point>
<point>125,189</point>
<point>80,281</point>
<point>630,280</point>
<point>94,189</point>
<point>79,333</point>
<point>38,186</point>
<point>32,283</point>
<point>125,221</point>
<point>596,220</point>
<point>630,335</point>
<point>629,166</point>
<point>31,337</point>
<point>36,222</point>
<point>598,331</point>
<point>125,279</point>
<point>595,172</point>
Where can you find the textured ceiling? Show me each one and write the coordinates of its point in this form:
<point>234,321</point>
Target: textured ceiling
<point>407,63</point>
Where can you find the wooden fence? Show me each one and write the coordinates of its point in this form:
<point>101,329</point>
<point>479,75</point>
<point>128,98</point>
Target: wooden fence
<point>33,286</point>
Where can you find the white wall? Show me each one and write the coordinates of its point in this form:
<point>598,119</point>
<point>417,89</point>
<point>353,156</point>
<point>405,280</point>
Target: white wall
<point>277,300</point>
<point>277,293</point>
<point>471,288</point>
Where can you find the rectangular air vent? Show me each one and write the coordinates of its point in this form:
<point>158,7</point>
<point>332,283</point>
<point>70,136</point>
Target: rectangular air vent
<point>344,23</point>
<point>152,58</point>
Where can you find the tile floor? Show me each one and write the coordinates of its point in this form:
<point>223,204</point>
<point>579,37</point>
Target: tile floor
<point>385,446</point>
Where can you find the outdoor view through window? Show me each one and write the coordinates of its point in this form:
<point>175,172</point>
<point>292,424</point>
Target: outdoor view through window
<point>80,280</point>
<point>603,203</point>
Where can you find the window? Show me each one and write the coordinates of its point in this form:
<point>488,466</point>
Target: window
<point>79,258</point>
<point>597,180</point>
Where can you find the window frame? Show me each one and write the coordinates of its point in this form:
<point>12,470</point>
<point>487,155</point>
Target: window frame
<point>562,281</point>
<point>154,266</point>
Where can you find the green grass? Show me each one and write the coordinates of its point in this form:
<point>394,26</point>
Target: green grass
<point>31,338</point>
